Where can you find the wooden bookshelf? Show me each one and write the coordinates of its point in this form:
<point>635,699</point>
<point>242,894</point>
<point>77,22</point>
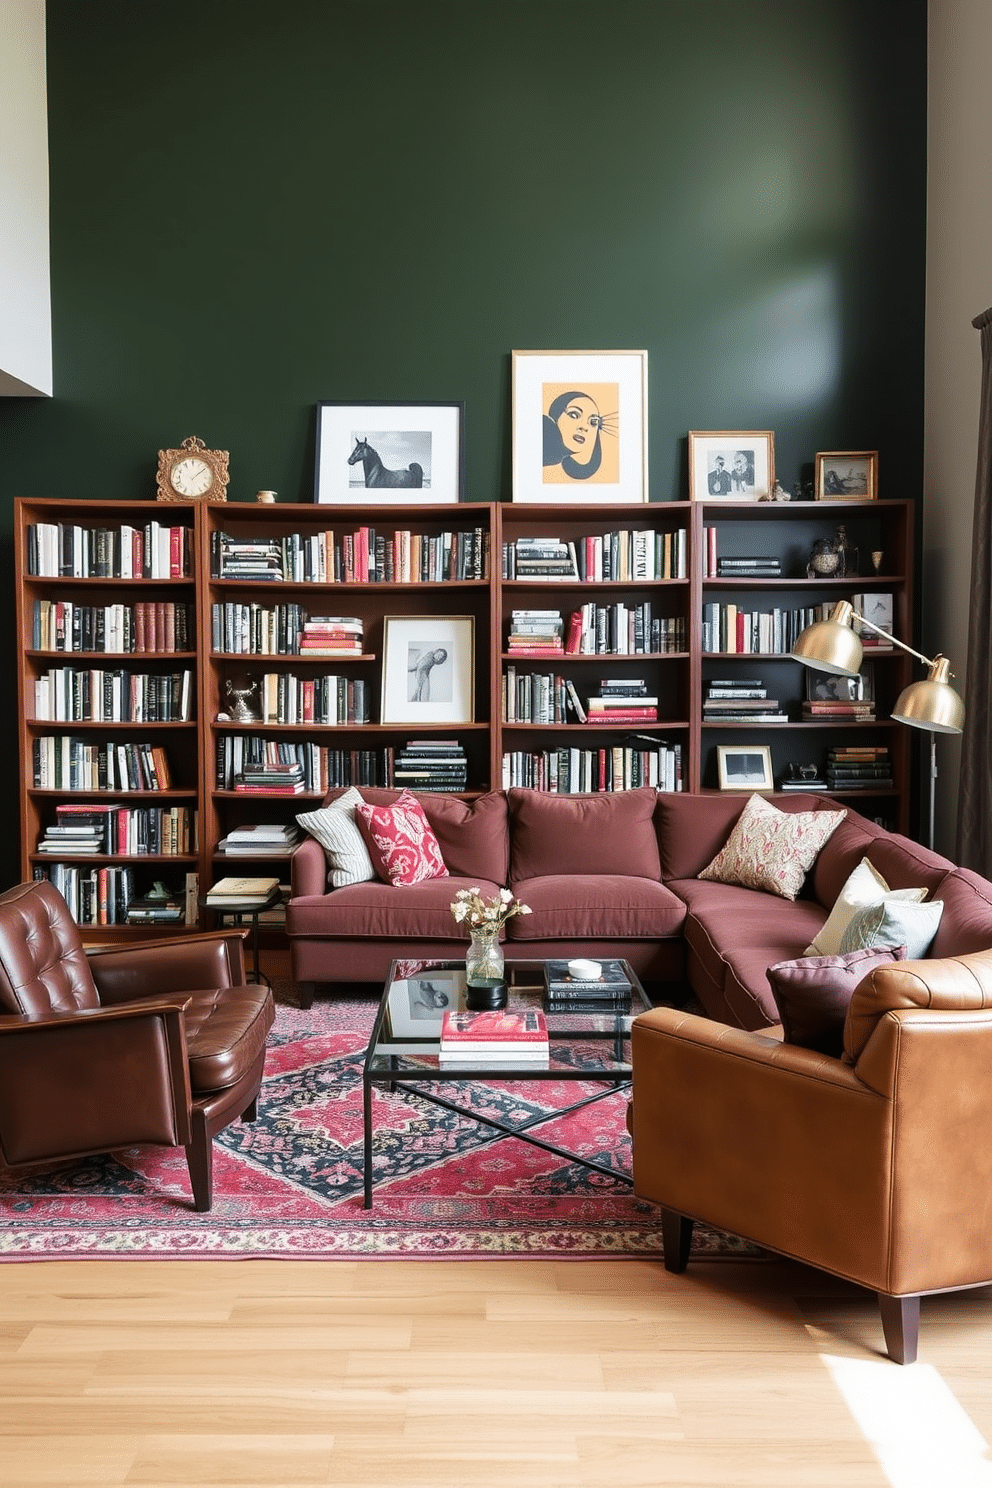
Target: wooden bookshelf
<point>242,628</point>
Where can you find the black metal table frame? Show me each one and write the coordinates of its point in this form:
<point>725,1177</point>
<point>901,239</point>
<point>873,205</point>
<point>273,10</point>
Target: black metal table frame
<point>418,1079</point>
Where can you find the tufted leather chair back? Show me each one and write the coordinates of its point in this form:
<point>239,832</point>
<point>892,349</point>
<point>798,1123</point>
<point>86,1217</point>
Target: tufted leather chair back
<point>43,967</point>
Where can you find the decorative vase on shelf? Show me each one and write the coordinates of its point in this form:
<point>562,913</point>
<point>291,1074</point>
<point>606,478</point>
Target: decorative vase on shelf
<point>484,969</point>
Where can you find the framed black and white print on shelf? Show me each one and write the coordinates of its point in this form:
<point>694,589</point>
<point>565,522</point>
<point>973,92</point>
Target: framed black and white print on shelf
<point>580,426</point>
<point>389,452</point>
<point>428,669</point>
<point>847,475</point>
<point>731,464</point>
<point>745,767</point>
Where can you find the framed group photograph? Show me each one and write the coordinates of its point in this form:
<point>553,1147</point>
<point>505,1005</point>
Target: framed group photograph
<point>389,452</point>
<point>731,465</point>
<point>846,475</point>
<point>428,666</point>
<point>744,767</point>
<point>580,426</point>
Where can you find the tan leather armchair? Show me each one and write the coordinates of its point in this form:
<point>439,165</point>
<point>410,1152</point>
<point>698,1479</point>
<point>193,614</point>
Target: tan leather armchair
<point>160,1042</point>
<point>876,1167</point>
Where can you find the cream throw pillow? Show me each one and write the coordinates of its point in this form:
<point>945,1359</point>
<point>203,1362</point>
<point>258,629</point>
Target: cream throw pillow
<point>335,829</point>
<point>771,849</point>
<point>864,886</point>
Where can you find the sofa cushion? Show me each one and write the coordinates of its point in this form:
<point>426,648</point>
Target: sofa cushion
<point>401,841</point>
<point>864,886</point>
<point>812,995</point>
<point>966,924</point>
<point>840,855</point>
<point>378,911</point>
<point>692,829</point>
<point>474,835</point>
<point>906,864</point>
<point>611,832</point>
<point>963,983</point>
<point>770,849</point>
<point>335,829</point>
<point>893,922</point>
<point>578,906</point>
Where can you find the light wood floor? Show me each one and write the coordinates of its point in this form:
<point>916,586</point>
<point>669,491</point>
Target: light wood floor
<point>436,1375</point>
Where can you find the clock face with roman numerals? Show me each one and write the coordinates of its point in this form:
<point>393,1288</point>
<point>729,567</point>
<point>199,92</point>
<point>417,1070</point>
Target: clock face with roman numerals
<point>192,473</point>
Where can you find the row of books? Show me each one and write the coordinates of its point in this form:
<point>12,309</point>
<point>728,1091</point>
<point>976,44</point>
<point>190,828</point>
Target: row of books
<point>623,556</point>
<point>330,700</point>
<point>108,896</point>
<point>69,550</point>
<point>323,767</point>
<point>623,630</point>
<point>98,695</point>
<point>853,767</point>
<point>68,762</point>
<point>728,628</point>
<point>573,771</point>
<point>150,625</point>
<point>260,840</point>
<point>132,831</point>
<point>283,630</point>
<point>361,557</point>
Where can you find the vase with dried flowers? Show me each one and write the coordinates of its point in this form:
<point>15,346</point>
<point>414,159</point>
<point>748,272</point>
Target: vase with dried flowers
<point>484,920</point>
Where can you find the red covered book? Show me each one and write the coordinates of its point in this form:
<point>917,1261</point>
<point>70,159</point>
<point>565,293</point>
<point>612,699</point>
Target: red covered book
<point>494,1031</point>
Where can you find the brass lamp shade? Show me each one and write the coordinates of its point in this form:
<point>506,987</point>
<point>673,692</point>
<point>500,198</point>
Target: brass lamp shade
<point>831,645</point>
<point>932,705</point>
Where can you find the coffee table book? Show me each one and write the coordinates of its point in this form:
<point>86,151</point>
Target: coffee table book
<point>244,890</point>
<point>612,985</point>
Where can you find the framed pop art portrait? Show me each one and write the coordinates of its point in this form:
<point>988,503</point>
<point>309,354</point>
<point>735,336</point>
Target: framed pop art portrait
<point>731,465</point>
<point>580,426</point>
<point>383,453</point>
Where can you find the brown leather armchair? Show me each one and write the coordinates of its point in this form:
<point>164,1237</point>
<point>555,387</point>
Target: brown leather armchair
<point>875,1167</point>
<point>160,1042</point>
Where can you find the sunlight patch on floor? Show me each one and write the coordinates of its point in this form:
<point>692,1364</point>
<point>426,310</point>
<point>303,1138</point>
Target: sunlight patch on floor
<point>920,1434</point>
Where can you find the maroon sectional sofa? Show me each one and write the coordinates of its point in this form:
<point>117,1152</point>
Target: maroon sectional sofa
<point>613,874</point>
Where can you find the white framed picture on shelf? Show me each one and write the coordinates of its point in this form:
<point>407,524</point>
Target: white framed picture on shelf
<point>744,767</point>
<point>731,464</point>
<point>580,426</point>
<point>384,453</point>
<point>428,666</point>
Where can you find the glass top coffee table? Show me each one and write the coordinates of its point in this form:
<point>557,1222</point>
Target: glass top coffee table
<point>592,1046</point>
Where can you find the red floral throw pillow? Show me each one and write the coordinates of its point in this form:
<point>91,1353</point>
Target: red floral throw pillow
<point>401,841</point>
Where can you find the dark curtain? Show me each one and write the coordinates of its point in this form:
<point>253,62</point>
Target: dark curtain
<point>975,794</point>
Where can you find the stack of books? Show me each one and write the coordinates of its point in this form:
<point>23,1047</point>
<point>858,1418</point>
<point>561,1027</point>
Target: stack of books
<point>504,1036</point>
<point>332,635</point>
<point>622,701</point>
<point>839,709</point>
<point>246,558</point>
<point>741,700</point>
<point>536,633</point>
<point>271,779</point>
<point>250,891</point>
<point>609,991</point>
<point>542,558</point>
<point>77,830</point>
<point>859,767</point>
<point>261,840</point>
<point>748,568</point>
<point>431,765</point>
<point>157,909</point>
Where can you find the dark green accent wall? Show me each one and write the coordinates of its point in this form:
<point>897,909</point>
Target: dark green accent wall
<point>258,206</point>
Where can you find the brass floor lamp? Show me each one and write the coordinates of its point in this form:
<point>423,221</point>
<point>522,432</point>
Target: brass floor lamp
<point>933,705</point>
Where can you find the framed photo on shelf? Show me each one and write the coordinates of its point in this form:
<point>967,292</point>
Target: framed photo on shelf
<point>846,475</point>
<point>744,767</point>
<point>580,426</point>
<point>828,687</point>
<point>389,452</point>
<point>731,465</point>
<point>428,666</point>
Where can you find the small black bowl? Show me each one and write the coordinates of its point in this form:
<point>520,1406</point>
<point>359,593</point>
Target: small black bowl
<point>480,997</point>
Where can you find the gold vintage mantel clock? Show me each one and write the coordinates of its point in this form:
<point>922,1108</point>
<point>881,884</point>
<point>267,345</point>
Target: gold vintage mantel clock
<point>192,473</point>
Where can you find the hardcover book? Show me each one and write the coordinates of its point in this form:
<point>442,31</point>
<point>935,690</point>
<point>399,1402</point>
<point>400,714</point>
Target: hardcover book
<point>611,981</point>
<point>495,1031</point>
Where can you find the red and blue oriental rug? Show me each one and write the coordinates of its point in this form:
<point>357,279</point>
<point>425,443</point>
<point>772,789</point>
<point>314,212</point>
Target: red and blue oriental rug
<point>290,1185</point>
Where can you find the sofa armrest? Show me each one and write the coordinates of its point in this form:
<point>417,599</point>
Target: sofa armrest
<point>94,1079</point>
<point>308,870</point>
<point>132,973</point>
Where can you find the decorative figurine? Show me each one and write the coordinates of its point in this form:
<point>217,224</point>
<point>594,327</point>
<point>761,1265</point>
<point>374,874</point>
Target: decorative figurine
<point>847,553</point>
<point>779,493</point>
<point>824,559</point>
<point>241,700</point>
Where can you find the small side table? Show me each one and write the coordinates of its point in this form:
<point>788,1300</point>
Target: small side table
<point>238,911</point>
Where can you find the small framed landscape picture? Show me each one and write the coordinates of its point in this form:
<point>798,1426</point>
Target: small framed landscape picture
<point>847,475</point>
<point>745,767</point>
<point>428,669</point>
<point>580,426</point>
<point>731,465</point>
<point>384,453</point>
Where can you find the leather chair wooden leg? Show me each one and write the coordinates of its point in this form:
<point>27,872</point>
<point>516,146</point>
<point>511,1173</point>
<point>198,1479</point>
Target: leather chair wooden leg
<point>901,1326</point>
<point>200,1161</point>
<point>676,1238</point>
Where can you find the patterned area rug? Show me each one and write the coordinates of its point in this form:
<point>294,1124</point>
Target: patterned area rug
<point>291,1183</point>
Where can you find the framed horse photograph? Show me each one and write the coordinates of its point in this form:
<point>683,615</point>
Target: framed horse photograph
<point>387,453</point>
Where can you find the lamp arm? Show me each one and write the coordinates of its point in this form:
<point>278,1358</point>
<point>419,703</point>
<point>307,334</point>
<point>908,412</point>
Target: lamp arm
<point>894,639</point>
